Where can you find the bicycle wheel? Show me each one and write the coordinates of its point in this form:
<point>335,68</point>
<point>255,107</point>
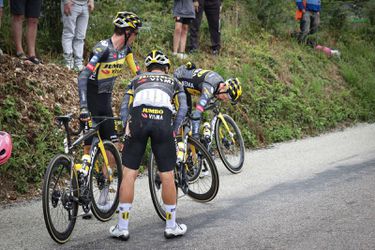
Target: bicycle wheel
<point>105,192</point>
<point>230,144</point>
<point>59,198</point>
<point>154,182</point>
<point>204,188</point>
<point>203,185</point>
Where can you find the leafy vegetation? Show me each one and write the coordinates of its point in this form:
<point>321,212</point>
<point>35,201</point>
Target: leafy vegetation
<point>290,90</point>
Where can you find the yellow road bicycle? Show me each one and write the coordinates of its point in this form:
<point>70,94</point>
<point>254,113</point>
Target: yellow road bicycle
<point>65,188</point>
<point>227,137</point>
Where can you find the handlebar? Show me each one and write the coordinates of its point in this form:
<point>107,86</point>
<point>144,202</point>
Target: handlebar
<point>83,125</point>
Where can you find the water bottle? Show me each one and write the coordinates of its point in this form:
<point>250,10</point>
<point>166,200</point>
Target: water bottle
<point>85,165</point>
<point>207,131</point>
<point>180,151</point>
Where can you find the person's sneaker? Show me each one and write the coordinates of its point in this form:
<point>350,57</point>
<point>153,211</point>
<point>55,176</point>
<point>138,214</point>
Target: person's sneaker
<point>21,56</point>
<point>68,66</point>
<point>68,61</point>
<point>179,230</point>
<point>79,68</point>
<point>182,56</point>
<point>335,53</point>
<point>215,52</point>
<point>120,234</point>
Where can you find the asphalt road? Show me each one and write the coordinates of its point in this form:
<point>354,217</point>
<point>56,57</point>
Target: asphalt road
<point>315,193</point>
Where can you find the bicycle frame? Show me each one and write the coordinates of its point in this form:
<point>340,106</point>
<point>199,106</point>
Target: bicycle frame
<point>218,115</point>
<point>90,130</point>
<point>185,133</point>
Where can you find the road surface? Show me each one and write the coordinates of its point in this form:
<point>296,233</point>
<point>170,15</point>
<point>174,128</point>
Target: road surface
<point>315,193</point>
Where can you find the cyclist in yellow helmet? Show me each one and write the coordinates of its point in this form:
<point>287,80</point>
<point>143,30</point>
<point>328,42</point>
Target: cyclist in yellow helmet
<point>96,80</point>
<point>147,112</point>
<point>207,84</point>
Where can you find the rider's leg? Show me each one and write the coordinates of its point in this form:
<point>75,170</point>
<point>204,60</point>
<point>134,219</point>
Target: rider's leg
<point>169,197</point>
<point>126,196</point>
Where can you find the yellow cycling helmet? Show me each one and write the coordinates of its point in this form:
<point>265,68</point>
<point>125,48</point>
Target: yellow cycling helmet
<point>157,57</point>
<point>234,88</point>
<point>190,65</point>
<point>126,19</point>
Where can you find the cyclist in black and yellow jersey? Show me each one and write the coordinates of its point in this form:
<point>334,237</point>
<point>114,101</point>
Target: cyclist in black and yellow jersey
<point>96,81</point>
<point>207,84</point>
<point>147,112</point>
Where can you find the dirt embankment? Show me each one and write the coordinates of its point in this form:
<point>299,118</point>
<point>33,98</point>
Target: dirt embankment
<point>22,85</point>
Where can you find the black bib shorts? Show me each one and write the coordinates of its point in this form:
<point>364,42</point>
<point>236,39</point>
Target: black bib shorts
<point>150,122</point>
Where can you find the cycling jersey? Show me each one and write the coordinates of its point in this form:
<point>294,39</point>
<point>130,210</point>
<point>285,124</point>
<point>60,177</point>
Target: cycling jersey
<point>201,82</point>
<point>149,98</point>
<point>103,68</point>
<point>156,90</point>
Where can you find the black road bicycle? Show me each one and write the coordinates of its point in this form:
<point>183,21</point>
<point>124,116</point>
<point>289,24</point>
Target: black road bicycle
<point>65,188</point>
<point>196,174</point>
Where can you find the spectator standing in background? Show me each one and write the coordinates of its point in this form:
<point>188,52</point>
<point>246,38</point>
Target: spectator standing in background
<point>212,10</point>
<point>31,10</point>
<point>1,15</point>
<point>310,18</point>
<point>184,14</point>
<point>75,17</point>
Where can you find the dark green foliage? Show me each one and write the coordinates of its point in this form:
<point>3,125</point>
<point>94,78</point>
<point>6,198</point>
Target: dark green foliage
<point>35,140</point>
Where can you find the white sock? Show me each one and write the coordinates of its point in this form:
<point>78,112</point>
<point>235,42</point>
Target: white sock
<point>170,211</point>
<point>123,215</point>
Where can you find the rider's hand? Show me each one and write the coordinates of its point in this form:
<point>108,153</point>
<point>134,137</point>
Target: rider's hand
<point>91,5</point>
<point>68,8</point>
<point>84,115</point>
<point>196,6</point>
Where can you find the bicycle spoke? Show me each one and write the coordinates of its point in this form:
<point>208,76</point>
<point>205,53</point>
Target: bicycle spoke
<point>105,182</point>
<point>59,209</point>
<point>230,144</point>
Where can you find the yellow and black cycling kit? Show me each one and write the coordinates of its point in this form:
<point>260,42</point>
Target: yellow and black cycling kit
<point>96,81</point>
<point>105,65</point>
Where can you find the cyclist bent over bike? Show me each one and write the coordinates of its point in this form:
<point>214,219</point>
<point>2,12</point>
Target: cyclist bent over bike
<point>147,112</point>
<point>208,84</point>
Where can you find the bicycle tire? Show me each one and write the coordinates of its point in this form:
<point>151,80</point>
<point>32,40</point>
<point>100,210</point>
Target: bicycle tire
<point>105,195</point>
<point>210,178</point>
<point>225,146</point>
<point>154,182</point>
<point>210,194</point>
<point>58,196</point>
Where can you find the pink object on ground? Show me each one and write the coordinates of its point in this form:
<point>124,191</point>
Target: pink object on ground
<point>5,147</point>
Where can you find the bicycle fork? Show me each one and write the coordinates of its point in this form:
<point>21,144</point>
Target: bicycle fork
<point>108,171</point>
